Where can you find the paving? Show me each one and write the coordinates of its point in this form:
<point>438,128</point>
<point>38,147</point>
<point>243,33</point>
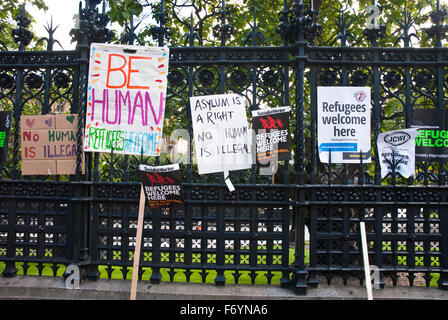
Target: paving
<point>54,288</point>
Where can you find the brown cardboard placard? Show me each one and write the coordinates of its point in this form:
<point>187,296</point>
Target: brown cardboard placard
<point>68,167</point>
<point>38,122</point>
<point>48,139</point>
<point>50,136</point>
<point>38,167</point>
<point>45,150</point>
<point>66,121</point>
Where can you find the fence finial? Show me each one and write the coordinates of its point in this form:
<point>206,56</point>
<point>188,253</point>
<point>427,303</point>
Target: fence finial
<point>92,25</point>
<point>22,35</point>
<point>438,30</point>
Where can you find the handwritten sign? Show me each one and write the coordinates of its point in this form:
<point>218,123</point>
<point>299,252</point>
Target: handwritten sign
<point>221,133</point>
<point>343,124</point>
<point>272,136</point>
<point>162,185</point>
<point>5,128</point>
<point>49,144</point>
<point>126,99</point>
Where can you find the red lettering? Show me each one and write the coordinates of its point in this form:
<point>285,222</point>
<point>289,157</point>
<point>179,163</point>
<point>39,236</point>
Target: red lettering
<point>119,69</point>
<point>30,152</point>
<point>158,179</point>
<point>130,70</point>
<point>271,123</point>
<point>26,135</point>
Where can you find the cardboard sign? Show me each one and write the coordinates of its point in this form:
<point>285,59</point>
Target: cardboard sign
<point>272,136</point>
<point>126,99</point>
<point>343,124</point>
<point>221,133</point>
<point>396,150</point>
<point>49,144</point>
<point>432,140</point>
<point>5,129</point>
<point>162,185</point>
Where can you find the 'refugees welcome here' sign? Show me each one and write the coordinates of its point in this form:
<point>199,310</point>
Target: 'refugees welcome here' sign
<point>343,124</point>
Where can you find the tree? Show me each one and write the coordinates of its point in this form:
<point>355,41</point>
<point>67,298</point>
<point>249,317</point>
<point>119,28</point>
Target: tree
<point>9,10</point>
<point>239,18</point>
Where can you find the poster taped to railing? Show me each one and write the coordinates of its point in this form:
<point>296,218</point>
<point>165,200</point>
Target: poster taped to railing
<point>221,133</point>
<point>396,152</point>
<point>5,129</point>
<point>343,124</point>
<point>126,99</point>
<point>431,143</point>
<point>162,185</point>
<point>272,136</point>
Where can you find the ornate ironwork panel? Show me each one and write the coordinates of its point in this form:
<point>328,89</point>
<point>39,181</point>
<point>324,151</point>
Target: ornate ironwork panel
<point>257,233</point>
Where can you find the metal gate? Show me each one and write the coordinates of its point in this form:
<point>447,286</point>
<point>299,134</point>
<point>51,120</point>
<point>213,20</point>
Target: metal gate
<point>255,234</point>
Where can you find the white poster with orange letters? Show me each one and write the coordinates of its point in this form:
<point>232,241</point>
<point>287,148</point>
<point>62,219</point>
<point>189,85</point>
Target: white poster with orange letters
<point>126,99</point>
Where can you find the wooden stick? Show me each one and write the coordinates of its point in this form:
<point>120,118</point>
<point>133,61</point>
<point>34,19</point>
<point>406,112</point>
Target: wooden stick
<point>365,256</point>
<point>138,242</point>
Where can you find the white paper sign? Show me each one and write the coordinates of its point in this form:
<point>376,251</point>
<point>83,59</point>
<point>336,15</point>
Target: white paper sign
<point>221,133</point>
<point>397,149</point>
<point>126,99</point>
<point>343,124</point>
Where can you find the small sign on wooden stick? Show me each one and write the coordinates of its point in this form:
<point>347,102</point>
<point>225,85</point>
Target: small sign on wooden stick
<point>162,188</point>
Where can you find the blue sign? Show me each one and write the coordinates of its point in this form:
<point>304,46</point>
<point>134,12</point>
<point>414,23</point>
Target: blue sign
<point>334,146</point>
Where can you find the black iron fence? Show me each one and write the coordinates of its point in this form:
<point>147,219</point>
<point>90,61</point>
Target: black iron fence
<point>255,234</point>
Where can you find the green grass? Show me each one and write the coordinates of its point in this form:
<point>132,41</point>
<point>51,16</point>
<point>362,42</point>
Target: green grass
<point>196,277</point>
<point>179,275</point>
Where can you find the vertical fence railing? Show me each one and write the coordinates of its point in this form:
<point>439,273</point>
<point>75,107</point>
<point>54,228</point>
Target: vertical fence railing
<point>438,20</point>
<point>373,35</point>
<point>23,22</point>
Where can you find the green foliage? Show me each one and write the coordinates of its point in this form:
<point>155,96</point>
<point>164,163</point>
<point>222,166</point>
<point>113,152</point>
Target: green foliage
<point>122,11</point>
<point>207,17</point>
<point>391,16</point>
<point>8,11</point>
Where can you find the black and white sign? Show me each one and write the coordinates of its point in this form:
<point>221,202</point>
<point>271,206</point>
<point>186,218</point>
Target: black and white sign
<point>272,136</point>
<point>343,124</point>
<point>162,185</point>
<point>221,133</point>
<point>432,140</point>
<point>396,151</point>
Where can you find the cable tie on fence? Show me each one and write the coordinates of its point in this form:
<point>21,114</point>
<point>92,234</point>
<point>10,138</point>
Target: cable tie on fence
<point>228,181</point>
